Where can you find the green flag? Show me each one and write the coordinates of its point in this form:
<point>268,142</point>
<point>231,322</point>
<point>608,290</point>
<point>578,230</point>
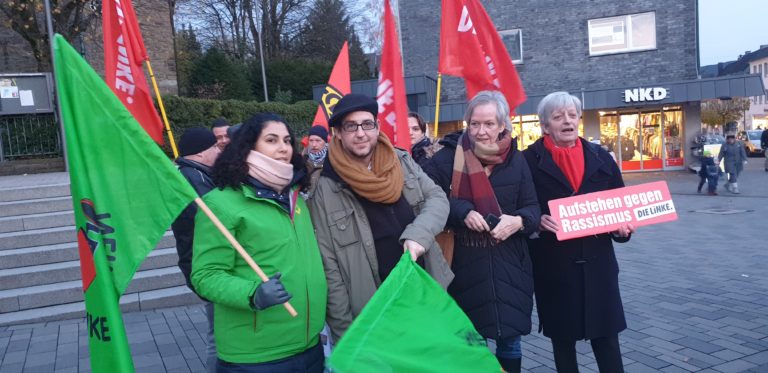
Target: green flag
<point>125,194</point>
<point>412,325</point>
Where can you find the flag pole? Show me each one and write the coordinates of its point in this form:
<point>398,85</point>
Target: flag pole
<point>49,31</point>
<point>162,110</point>
<point>239,248</point>
<point>437,102</point>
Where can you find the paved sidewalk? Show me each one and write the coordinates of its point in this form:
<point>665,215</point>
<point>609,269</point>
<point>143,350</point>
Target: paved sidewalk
<point>695,294</point>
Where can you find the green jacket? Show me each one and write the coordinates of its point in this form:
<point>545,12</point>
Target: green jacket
<point>346,240</point>
<point>219,274</point>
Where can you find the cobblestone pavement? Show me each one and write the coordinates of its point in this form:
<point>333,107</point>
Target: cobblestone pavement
<point>695,294</point>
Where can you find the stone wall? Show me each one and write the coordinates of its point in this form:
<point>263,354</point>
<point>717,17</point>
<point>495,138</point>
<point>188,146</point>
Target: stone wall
<point>556,46</point>
<point>155,23</point>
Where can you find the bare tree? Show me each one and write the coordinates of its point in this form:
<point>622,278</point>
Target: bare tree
<point>71,18</point>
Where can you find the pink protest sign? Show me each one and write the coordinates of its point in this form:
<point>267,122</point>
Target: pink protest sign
<point>606,211</point>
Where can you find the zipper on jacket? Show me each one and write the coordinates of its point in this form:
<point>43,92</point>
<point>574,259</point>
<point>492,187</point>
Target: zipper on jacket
<point>306,279</point>
<point>495,299</point>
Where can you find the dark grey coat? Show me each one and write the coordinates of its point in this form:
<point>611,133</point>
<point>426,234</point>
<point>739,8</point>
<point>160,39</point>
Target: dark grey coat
<point>576,281</point>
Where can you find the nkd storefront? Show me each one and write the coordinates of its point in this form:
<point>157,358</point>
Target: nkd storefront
<point>647,128</point>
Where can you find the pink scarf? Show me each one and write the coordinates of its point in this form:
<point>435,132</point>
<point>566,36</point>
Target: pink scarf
<point>272,173</point>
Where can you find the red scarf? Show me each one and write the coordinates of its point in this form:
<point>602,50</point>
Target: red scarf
<point>570,160</point>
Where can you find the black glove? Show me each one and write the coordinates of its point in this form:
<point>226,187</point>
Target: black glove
<point>270,293</point>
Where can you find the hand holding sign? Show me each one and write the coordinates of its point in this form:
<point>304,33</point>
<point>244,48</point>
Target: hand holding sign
<point>548,223</point>
<point>618,210</point>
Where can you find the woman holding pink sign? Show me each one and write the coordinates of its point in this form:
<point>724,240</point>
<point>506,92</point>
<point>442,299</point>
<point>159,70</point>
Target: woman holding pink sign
<point>576,281</point>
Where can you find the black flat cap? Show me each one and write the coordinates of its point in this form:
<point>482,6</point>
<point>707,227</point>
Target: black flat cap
<point>351,103</point>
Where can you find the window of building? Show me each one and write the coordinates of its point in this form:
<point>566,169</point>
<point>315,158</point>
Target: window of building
<point>628,33</point>
<point>765,69</point>
<point>513,40</point>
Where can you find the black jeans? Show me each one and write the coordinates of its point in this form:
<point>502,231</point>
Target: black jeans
<point>310,361</point>
<point>606,349</point>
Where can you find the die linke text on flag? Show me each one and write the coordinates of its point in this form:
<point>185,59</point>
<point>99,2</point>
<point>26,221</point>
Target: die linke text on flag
<point>471,48</point>
<point>393,108</point>
<point>124,54</point>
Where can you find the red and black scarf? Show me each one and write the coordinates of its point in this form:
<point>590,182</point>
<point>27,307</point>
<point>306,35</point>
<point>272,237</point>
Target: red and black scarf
<point>470,181</point>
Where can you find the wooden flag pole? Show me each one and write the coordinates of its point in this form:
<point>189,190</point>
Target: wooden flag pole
<point>239,248</point>
<point>162,110</point>
<point>437,103</point>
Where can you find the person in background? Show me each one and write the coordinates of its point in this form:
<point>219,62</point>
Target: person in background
<point>764,145</point>
<point>316,152</point>
<point>371,203</point>
<point>220,129</point>
<point>493,210</point>
<point>735,157</point>
<point>709,173</point>
<point>258,177</point>
<point>197,154</point>
<point>421,146</point>
<point>576,280</point>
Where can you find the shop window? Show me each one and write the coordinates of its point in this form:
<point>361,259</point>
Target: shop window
<point>673,136</point>
<point>513,41</point>
<point>527,129</point>
<point>628,33</point>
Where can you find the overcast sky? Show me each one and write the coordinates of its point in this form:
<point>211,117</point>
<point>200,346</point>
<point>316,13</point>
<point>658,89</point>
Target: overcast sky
<point>729,28</point>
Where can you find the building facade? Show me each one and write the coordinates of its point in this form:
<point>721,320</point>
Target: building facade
<point>154,20</point>
<point>633,64</point>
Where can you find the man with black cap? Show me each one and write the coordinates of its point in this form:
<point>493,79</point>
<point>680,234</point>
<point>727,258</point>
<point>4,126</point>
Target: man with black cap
<point>198,151</point>
<point>371,203</point>
<point>316,151</point>
<point>219,128</point>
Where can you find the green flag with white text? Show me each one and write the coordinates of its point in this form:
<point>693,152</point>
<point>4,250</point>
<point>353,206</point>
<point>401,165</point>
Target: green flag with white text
<point>125,193</point>
<point>412,325</point>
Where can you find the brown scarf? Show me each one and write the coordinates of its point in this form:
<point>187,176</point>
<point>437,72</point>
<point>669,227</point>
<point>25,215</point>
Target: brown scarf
<point>382,184</point>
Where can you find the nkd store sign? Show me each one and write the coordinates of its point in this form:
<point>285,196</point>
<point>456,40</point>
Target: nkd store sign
<point>645,94</point>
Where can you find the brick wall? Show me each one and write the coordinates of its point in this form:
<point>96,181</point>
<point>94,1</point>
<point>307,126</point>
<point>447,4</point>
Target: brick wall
<point>154,20</point>
<point>556,47</point>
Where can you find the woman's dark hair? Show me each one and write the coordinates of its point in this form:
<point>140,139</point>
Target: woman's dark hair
<point>231,170</point>
<point>422,123</point>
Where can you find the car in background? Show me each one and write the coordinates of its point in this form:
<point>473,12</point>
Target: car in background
<point>751,140</point>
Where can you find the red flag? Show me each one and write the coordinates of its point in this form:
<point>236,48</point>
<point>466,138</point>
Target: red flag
<point>393,108</point>
<point>471,48</point>
<point>338,86</point>
<point>124,54</point>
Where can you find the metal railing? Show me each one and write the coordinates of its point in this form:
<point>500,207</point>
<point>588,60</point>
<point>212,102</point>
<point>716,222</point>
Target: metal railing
<point>29,136</point>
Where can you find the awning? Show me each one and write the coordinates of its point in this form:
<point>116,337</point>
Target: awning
<point>724,87</point>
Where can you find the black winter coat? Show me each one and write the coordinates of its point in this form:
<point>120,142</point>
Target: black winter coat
<point>577,280</point>
<point>493,285</point>
<point>183,227</point>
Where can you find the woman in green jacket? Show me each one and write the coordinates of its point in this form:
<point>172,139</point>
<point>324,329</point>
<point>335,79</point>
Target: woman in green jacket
<point>259,176</point>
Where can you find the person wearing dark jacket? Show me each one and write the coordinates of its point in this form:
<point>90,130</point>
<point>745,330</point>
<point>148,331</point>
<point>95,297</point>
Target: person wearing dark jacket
<point>493,208</point>
<point>576,280</point>
<point>421,146</point>
<point>198,151</point>
<point>709,173</point>
<point>764,145</point>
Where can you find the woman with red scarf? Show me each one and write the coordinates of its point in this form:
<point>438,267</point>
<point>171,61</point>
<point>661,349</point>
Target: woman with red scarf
<point>577,280</point>
<point>493,210</point>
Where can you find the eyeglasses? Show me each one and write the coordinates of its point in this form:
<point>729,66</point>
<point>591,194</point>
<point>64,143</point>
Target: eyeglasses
<point>367,125</point>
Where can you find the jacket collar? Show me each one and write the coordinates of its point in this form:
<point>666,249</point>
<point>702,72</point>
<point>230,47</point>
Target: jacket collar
<point>182,162</point>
